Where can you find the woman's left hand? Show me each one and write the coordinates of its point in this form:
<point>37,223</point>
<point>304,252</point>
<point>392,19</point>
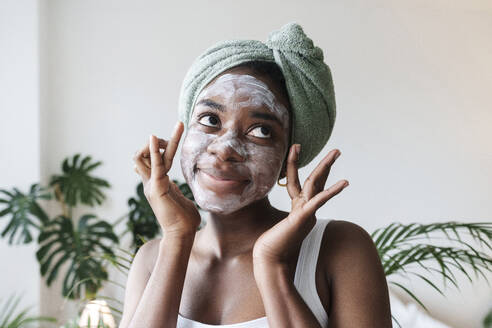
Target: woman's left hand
<point>276,245</point>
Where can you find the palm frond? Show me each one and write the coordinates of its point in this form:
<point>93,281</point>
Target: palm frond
<point>11,318</point>
<point>397,322</point>
<point>401,247</point>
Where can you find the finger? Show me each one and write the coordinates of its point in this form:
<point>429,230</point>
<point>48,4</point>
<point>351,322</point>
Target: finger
<point>316,181</point>
<point>172,145</point>
<point>321,198</point>
<point>156,164</point>
<point>293,184</point>
<point>142,170</point>
<point>144,152</point>
<point>162,145</point>
<point>146,161</point>
<point>144,156</point>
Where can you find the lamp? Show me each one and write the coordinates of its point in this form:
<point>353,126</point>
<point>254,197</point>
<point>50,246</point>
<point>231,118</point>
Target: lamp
<point>96,312</point>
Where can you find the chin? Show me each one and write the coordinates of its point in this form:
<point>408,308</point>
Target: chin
<point>218,210</point>
<point>224,205</point>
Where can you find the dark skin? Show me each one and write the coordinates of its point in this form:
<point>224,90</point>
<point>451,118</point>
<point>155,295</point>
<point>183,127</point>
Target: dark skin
<point>240,265</point>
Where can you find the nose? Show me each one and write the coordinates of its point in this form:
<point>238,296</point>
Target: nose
<point>228,147</point>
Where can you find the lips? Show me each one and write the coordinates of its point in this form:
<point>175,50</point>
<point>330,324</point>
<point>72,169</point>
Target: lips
<point>220,181</point>
<point>223,174</point>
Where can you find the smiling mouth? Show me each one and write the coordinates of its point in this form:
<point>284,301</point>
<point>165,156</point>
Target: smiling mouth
<point>223,179</point>
<point>217,184</point>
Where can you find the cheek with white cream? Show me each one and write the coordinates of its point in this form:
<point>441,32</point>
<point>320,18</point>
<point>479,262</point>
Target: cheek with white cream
<point>260,163</point>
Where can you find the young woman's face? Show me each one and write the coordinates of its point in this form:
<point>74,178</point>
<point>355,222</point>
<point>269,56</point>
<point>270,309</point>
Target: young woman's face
<point>236,142</point>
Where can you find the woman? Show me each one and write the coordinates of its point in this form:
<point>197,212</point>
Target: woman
<point>247,108</point>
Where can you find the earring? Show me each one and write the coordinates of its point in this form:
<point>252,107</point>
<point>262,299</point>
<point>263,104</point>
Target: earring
<point>280,184</point>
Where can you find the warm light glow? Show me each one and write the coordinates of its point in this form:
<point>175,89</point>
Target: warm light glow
<point>97,310</point>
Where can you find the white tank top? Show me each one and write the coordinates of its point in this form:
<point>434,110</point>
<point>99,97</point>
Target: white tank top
<point>304,280</point>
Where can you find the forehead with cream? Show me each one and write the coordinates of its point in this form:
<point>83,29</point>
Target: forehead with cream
<point>244,90</point>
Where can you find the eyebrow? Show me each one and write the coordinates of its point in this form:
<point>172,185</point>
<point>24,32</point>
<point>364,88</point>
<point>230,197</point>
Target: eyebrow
<point>265,116</point>
<point>210,103</point>
<point>256,114</point>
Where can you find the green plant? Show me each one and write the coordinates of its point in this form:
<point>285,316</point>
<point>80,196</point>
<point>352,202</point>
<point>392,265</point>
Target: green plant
<point>487,321</point>
<point>122,262</point>
<point>11,318</point>
<point>79,246</point>
<point>25,213</point>
<point>402,247</point>
<point>63,239</point>
<point>58,237</point>
<point>77,185</point>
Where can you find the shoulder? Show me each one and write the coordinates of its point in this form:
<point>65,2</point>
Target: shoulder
<point>347,244</point>
<point>353,269</point>
<point>341,231</point>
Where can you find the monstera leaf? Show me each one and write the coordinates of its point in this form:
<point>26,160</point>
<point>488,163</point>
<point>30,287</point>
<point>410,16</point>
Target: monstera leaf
<point>79,247</point>
<point>25,213</point>
<point>76,184</point>
<point>142,222</point>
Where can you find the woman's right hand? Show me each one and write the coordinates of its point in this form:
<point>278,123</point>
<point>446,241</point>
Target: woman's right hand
<point>177,215</point>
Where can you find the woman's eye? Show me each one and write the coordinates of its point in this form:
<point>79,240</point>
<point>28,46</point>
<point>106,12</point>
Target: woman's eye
<point>261,132</point>
<point>209,120</point>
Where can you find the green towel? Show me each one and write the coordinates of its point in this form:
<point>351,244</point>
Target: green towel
<point>308,80</point>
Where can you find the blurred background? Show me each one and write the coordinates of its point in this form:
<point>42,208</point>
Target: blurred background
<point>413,82</point>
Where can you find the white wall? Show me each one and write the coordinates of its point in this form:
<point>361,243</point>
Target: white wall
<point>412,83</point>
<point>19,140</point>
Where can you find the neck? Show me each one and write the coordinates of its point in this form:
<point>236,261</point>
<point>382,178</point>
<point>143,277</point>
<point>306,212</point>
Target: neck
<point>234,234</point>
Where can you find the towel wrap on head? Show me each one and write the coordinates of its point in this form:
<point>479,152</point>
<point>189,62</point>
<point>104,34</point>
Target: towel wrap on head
<point>308,81</point>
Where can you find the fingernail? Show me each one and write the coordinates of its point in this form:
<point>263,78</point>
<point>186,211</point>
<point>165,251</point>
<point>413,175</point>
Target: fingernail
<point>338,154</point>
<point>298,149</point>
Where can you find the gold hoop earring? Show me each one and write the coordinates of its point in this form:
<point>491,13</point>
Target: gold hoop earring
<point>280,184</point>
